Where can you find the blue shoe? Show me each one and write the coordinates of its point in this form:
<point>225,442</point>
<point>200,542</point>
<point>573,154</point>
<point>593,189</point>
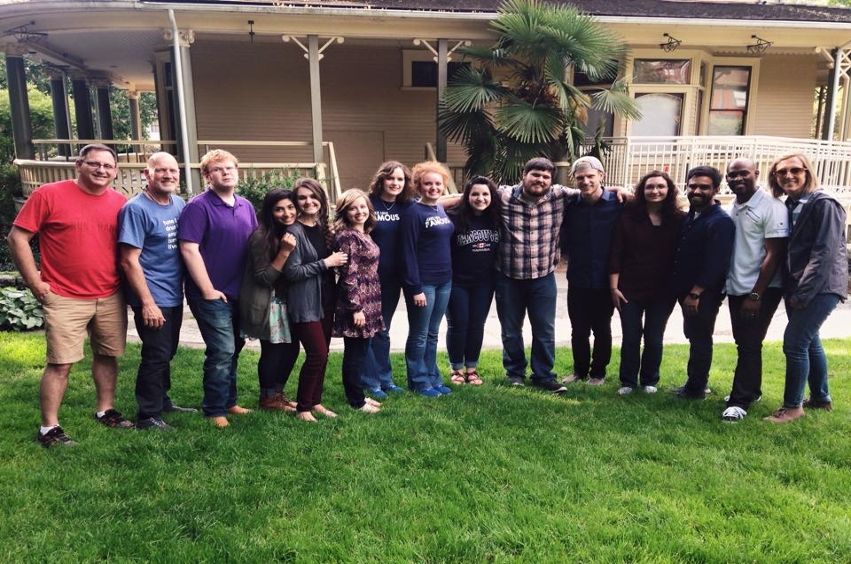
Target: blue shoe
<point>394,388</point>
<point>377,393</point>
<point>442,389</point>
<point>430,393</point>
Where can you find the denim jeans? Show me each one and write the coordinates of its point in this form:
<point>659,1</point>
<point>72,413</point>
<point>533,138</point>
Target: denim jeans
<point>805,358</point>
<point>218,322</point>
<point>421,347</point>
<point>514,298</point>
<point>377,371</point>
<point>153,380</point>
<point>590,310</point>
<point>698,329</point>
<point>354,353</point>
<point>749,335</point>
<point>637,367</point>
<point>465,317</point>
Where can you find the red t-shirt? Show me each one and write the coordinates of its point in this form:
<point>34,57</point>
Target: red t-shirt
<point>77,238</point>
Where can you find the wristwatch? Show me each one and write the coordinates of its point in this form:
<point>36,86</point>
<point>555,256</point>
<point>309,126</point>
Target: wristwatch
<point>694,296</point>
<point>753,296</point>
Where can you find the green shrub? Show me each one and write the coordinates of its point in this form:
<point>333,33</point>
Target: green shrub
<point>256,186</point>
<point>19,310</point>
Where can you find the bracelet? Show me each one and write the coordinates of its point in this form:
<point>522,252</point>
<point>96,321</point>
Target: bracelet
<point>612,289</point>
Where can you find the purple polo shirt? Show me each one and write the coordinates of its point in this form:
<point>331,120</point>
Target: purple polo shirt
<point>221,232</point>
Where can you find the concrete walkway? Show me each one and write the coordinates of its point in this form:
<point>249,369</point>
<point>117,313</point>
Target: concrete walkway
<point>838,325</point>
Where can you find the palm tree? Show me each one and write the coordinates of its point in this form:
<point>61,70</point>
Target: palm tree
<point>514,102</point>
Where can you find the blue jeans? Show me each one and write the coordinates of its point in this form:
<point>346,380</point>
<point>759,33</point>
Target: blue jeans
<point>465,317</point>
<point>421,348</point>
<point>153,380</point>
<point>637,367</point>
<point>219,325</point>
<point>514,298</point>
<point>377,371</point>
<point>805,358</point>
<point>698,329</point>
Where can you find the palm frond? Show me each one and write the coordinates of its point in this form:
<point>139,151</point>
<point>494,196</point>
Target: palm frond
<point>527,123</point>
<point>471,89</point>
<point>616,100</point>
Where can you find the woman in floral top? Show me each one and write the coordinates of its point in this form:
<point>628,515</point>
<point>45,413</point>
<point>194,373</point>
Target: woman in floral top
<point>358,314</point>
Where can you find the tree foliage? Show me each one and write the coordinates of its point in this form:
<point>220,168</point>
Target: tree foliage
<point>41,114</point>
<point>514,101</point>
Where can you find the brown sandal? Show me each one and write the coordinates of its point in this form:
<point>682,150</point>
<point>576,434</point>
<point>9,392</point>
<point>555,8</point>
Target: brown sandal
<point>457,377</point>
<point>473,378</point>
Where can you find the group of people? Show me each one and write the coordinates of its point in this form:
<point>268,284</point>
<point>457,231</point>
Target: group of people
<point>294,274</point>
<point>648,256</point>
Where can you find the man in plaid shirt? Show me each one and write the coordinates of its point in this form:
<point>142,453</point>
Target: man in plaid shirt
<point>531,214</point>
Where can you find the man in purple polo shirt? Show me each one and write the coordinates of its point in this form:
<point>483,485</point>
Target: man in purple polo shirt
<point>213,231</point>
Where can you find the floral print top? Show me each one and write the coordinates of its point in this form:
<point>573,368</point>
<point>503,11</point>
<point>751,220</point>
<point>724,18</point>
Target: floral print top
<point>358,289</point>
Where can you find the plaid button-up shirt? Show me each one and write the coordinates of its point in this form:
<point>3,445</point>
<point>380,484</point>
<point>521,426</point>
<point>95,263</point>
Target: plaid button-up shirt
<point>529,234</point>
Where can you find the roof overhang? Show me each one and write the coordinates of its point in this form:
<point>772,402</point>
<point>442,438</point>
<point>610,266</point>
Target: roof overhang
<point>118,38</point>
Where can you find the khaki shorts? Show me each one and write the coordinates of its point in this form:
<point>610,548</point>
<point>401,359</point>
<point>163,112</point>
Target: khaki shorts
<point>67,321</point>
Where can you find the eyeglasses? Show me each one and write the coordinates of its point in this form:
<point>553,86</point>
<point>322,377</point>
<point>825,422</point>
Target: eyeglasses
<point>795,171</point>
<point>94,165</point>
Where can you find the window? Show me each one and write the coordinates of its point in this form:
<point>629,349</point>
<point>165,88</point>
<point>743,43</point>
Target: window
<point>661,114</point>
<point>650,71</point>
<point>424,73</point>
<point>728,107</point>
<point>419,69</point>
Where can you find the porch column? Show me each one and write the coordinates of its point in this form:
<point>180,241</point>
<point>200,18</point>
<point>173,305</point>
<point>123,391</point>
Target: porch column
<point>442,76</point>
<point>83,107</point>
<point>22,129</point>
<point>315,97</point>
<point>104,110</point>
<point>61,121</point>
<point>135,116</point>
<point>182,79</point>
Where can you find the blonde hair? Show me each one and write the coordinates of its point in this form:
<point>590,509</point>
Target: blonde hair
<point>811,184</point>
<point>216,156</point>
<point>428,167</point>
<point>347,200</point>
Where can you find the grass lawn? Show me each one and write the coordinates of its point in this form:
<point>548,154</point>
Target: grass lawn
<point>488,474</point>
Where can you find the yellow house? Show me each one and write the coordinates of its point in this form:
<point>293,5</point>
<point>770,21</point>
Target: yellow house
<point>357,82</point>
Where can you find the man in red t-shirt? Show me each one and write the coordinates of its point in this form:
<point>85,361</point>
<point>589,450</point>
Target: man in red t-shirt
<point>78,286</point>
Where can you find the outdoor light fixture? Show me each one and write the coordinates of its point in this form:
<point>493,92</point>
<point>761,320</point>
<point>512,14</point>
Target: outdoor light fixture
<point>760,46</point>
<point>671,44</point>
<point>251,31</point>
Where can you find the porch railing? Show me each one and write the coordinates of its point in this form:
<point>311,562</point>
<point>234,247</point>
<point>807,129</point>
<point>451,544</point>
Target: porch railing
<point>629,158</point>
<point>132,160</point>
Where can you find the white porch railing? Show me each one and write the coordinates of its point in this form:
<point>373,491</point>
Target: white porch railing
<point>632,157</point>
<point>130,180</point>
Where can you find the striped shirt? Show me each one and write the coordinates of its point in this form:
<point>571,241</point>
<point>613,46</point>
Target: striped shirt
<point>529,231</point>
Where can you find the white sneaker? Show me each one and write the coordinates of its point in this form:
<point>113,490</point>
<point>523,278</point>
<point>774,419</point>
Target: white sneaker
<point>649,389</point>
<point>625,391</point>
<point>733,414</point>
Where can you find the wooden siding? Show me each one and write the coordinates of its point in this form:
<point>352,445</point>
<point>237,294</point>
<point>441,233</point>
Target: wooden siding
<point>261,92</point>
<point>784,97</point>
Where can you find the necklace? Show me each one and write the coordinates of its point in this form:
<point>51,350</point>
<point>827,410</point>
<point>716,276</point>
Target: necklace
<point>386,207</point>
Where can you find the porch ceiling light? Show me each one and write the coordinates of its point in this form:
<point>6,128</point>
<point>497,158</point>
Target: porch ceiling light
<point>761,45</point>
<point>671,44</point>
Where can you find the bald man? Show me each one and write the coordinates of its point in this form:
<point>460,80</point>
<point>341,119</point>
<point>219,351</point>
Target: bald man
<point>150,257</point>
